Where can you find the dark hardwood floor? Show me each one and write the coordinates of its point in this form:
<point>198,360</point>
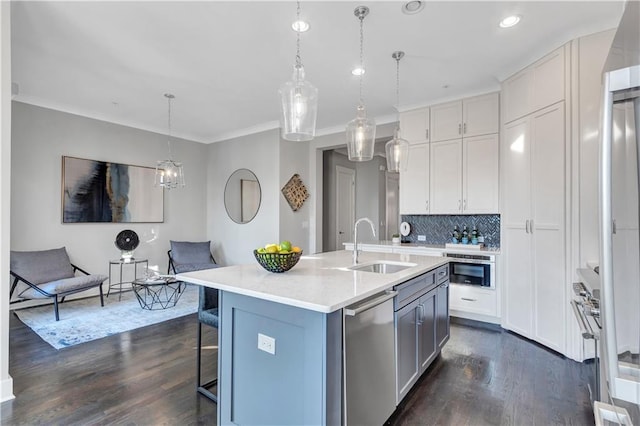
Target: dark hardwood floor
<point>147,377</point>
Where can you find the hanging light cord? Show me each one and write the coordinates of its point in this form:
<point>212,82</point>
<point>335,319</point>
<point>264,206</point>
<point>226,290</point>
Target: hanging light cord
<point>398,90</point>
<point>169,125</point>
<point>298,58</point>
<point>361,17</point>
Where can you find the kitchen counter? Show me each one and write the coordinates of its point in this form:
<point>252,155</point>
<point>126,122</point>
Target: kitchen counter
<point>422,246</point>
<point>318,282</point>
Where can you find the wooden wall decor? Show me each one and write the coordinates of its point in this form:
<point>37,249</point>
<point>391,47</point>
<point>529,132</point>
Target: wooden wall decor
<point>295,192</point>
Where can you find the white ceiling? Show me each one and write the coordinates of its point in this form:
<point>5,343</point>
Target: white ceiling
<point>224,61</point>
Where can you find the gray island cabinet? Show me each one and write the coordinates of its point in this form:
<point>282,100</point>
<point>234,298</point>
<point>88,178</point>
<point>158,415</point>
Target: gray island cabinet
<point>281,340</point>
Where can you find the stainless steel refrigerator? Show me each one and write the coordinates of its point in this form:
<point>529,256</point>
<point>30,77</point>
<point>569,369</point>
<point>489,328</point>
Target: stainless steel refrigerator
<point>619,226</point>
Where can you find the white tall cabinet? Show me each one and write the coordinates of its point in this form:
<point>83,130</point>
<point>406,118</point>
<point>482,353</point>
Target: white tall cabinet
<point>533,182</point>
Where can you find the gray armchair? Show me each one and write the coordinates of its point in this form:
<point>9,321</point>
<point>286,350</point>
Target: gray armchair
<point>186,256</point>
<point>49,274</point>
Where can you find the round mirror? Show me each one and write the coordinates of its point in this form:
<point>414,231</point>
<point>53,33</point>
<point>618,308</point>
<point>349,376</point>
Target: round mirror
<point>242,196</point>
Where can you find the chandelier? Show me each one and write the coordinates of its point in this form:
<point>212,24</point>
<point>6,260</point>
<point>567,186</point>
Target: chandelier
<point>169,173</point>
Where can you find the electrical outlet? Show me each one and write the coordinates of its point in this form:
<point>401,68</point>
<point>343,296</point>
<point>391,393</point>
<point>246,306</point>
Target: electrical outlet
<point>267,344</point>
<point>422,238</point>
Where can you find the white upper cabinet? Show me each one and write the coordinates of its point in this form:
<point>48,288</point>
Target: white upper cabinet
<point>468,117</point>
<point>414,182</point>
<point>446,121</point>
<point>481,115</point>
<point>536,87</point>
<point>414,125</point>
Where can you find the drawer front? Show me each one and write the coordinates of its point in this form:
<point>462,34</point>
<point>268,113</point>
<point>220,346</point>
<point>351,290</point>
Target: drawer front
<point>412,289</point>
<point>442,273</point>
<point>471,299</point>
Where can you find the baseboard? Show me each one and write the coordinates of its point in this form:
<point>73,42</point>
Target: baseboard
<point>6,390</point>
<point>475,317</point>
<point>476,323</point>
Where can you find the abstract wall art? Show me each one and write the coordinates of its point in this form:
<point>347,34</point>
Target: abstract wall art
<point>99,191</point>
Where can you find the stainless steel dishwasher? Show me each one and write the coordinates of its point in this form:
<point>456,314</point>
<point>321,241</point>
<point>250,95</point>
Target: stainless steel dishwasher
<point>369,360</point>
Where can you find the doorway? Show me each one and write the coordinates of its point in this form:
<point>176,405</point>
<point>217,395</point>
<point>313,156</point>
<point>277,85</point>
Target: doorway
<point>345,205</point>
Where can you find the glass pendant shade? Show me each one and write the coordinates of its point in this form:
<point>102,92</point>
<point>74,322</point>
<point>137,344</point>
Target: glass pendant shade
<point>169,174</point>
<point>361,136</point>
<point>397,150</point>
<point>299,107</point>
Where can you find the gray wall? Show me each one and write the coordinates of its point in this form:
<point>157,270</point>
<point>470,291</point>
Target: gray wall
<point>273,161</point>
<point>260,154</point>
<point>40,137</point>
<point>294,226</point>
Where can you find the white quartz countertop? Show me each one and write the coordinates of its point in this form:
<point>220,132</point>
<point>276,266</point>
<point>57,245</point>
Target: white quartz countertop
<point>428,247</point>
<point>319,282</point>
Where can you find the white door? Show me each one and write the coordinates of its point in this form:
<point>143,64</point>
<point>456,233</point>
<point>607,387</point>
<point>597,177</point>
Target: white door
<point>446,177</point>
<point>446,121</point>
<point>414,182</point>
<point>547,226</point>
<point>392,206</point>
<point>345,205</point>
<point>516,182</point>
<point>480,174</point>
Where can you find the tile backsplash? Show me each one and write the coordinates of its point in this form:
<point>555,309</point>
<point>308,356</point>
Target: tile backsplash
<point>438,229</point>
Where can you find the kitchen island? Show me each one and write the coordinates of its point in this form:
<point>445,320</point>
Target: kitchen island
<point>296,376</point>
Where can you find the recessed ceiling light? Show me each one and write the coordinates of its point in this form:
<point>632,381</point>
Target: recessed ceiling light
<point>413,6</point>
<point>300,25</point>
<point>509,21</point>
<point>358,71</point>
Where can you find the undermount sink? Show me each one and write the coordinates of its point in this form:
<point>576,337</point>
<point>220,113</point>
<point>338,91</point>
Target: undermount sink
<point>382,267</point>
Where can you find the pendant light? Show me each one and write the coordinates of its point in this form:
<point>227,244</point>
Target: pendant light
<point>397,149</point>
<point>169,173</point>
<point>361,131</point>
<point>299,100</point>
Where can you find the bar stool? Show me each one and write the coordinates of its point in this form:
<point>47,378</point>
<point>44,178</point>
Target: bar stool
<point>208,315</point>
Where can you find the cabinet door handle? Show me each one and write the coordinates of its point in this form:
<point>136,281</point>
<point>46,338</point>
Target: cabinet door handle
<point>427,203</point>
<point>614,228</point>
<point>426,134</point>
<point>526,226</point>
<point>531,226</point>
<point>464,205</point>
<point>420,317</point>
<point>465,128</point>
<point>459,129</point>
<point>469,300</point>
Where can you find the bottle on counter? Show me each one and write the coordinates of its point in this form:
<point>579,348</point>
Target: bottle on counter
<point>474,235</point>
<point>456,235</point>
<point>465,235</point>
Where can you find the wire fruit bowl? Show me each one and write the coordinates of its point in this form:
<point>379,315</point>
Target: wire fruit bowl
<point>277,262</point>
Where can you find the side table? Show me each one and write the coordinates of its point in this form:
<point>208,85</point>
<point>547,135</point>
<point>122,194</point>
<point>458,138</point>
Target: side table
<point>160,293</point>
<point>121,263</point>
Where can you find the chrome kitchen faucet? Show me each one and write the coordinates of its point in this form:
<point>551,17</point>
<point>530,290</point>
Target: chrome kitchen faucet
<point>355,236</point>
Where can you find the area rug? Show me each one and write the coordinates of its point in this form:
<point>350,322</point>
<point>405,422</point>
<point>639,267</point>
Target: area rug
<point>83,320</point>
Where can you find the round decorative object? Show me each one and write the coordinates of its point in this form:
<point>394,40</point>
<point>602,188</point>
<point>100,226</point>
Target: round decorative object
<point>277,262</point>
<point>127,240</point>
<point>405,229</point>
